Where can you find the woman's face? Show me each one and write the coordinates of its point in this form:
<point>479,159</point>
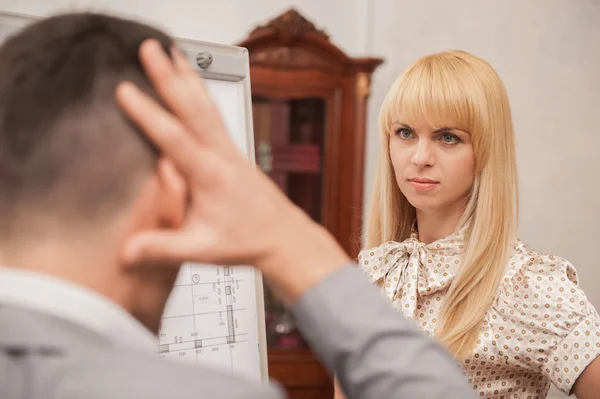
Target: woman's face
<point>434,168</point>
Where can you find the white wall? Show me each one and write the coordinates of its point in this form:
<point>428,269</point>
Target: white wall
<point>546,51</point>
<point>225,21</point>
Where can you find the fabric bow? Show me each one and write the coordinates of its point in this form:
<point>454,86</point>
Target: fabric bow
<point>411,269</point>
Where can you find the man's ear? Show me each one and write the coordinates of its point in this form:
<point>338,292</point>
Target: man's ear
<point>173,194</point>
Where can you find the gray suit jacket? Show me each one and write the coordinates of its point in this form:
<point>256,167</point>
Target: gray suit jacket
<point>46,357</point>
<point>375,352</point>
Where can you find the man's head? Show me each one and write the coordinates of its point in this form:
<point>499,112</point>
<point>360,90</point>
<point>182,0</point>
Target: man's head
<point>76,176</point>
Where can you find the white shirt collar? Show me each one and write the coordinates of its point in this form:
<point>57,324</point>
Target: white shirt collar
<point>60,298</point>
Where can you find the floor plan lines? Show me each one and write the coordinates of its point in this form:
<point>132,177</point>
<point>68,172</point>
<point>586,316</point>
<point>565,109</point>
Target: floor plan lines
<point>229,288</point>
<point>210,318</point>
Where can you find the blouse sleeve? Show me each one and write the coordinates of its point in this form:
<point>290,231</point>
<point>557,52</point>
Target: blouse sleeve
<point>544,322</point>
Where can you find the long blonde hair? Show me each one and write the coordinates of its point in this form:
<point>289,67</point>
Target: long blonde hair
<point>457,87</point>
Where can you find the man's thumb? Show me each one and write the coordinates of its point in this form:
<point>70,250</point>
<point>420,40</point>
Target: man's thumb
<point>159,248</point>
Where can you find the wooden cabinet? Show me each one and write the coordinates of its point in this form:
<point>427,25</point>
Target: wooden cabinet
<point>309,107</point>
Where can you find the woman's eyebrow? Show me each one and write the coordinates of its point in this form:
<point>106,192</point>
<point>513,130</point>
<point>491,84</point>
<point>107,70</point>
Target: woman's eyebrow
<point>445,129</point>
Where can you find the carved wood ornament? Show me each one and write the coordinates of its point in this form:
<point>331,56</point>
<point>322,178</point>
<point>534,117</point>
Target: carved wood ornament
<point>291,41</point>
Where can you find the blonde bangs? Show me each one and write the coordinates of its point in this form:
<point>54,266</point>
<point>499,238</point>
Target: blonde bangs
<point>438,90</point>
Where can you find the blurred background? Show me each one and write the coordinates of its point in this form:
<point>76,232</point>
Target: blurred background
<point>320,70</point>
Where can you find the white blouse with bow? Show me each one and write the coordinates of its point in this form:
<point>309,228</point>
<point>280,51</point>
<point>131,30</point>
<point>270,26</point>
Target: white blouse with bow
<point>540,329</point>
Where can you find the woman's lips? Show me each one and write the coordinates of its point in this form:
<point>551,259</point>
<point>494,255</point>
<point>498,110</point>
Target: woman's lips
<point>423,184</point>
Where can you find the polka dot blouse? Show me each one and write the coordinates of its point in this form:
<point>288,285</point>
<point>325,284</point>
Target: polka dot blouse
<point>540,329</point>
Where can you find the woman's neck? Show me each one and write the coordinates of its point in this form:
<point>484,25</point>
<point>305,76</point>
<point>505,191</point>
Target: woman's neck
<point>435,226</point>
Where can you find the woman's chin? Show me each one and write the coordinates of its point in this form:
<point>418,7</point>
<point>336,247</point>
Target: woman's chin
<point>425,204</point>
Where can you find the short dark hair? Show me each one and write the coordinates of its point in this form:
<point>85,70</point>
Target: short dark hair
<point>67,151</point>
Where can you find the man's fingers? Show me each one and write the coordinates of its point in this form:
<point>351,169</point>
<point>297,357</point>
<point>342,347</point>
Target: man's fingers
<point>184,93</point>
<point>167,77</point>
<point>162,68</point>
<point>182,64</point>
<point>162,128</point>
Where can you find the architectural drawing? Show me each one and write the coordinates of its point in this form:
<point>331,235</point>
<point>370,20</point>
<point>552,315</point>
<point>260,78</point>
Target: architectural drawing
<point>207,319</point>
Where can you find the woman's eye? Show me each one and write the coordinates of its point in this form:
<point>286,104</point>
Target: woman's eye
<point>449,138</point>
<point>404,133</point>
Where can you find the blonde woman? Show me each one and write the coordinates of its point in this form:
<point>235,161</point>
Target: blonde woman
<point>442,238</point>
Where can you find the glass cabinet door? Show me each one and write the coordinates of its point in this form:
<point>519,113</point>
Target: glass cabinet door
<point>289,144</point>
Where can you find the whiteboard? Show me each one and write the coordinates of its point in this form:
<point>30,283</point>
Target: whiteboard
<point>215,314</point>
